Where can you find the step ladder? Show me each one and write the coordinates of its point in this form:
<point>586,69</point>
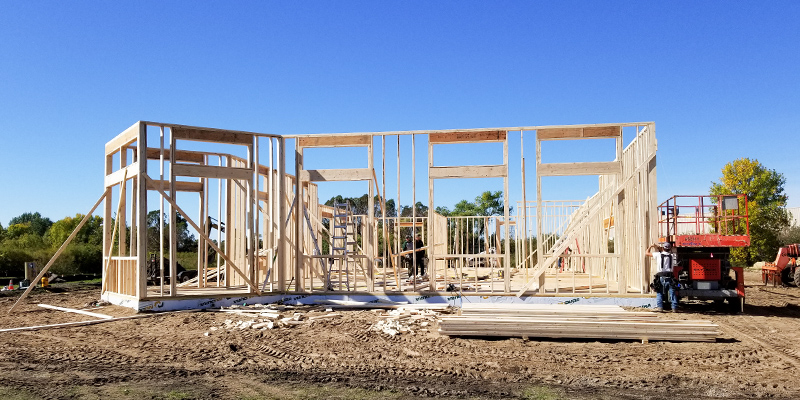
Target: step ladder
<point>343,241</point>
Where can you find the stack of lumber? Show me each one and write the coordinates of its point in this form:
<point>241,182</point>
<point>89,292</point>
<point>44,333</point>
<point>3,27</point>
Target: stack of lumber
<point>572,321</point>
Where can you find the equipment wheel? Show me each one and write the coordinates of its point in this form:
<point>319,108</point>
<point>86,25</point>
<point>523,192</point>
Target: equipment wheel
<point>735,305</point>
<point>797,277</point>
<point>786,276</point>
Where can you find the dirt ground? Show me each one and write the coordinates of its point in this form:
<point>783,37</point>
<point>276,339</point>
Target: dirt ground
<point>171,357</point>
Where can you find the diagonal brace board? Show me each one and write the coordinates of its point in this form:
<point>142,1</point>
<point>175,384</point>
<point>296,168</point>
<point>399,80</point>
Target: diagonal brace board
<point>206,238</point>
<point>61,249</point>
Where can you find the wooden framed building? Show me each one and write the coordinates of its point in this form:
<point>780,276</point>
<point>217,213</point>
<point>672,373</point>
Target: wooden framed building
<point>264,236</point>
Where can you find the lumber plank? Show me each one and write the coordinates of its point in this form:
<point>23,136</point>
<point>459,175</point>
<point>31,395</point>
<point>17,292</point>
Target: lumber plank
<point>328,175</point>
<point>70,324</point>
<point>104,196</point>
<point>559,133</point>
<point>579,132</point>
<point>125,138</point>
<point>122,174</point>
<point>214,136</point>
<point>180,155</point>
<point>467,137</point>
<point>580,168</point>
<point>571,321</point>
<point>210,171</point>
<point>602,131</point>
<point>335,141</point>
<point>180,186</point>
<point>72,310</point>
<point>472,171</point>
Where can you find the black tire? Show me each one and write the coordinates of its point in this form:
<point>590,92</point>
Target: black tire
<point>786,276</point>
<point>734,305</point>
<point>797,277</point>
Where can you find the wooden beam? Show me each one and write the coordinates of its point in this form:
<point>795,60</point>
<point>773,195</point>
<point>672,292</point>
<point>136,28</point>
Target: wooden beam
<point>210,171</point>
<point>180,186</point>
<point>72,310</point>
<point>88,215</point>
<point>127,136</point>
<point>410,224</point>
<point>467,137</point>
<point>180,155</point>
<point>122,174</point>
<point>580,168</point>
<point>472,171</point>
<point>335,141</point>
<point>559,133</point>
<point>202,135</point>
<point>325,175</point>
<point>579,133</point>
<point>79,323</point>
<point>603,132</point>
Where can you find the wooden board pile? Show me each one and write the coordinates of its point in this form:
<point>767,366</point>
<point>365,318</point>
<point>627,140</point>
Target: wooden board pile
<point>572,321</point>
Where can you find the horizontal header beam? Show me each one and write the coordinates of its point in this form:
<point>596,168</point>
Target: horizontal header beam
<point>201,135</point>
<point>208,171</point>
<point>579,133</point>
<point>125,138</point>
<point>467,137</point>
<point>335,141</point>
<point>580,168</point>
<point>324,175</point>
<point>472,171</point>
<point>180,186</point>
<point>180,155</point>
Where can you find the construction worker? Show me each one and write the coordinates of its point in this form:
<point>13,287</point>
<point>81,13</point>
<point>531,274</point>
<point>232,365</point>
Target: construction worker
<point>420,256</point>
<point>407,258</point>
<point>664,283</point>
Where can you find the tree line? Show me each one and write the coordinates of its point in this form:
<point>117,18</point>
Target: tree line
<point>31,237</point>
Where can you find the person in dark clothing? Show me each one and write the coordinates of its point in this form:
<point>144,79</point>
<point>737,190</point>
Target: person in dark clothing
<point>420,255</point>
<point>407,258</point>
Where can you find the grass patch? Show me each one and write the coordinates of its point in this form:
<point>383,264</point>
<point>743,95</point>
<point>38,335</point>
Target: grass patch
<point>16,394</point>
<point>540,393</point>
<point>327,392</point>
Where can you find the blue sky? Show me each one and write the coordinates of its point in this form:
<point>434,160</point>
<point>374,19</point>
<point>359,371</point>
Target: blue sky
<point>720,79</point>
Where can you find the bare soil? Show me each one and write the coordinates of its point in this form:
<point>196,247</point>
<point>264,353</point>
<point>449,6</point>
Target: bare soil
<point>170,356</point>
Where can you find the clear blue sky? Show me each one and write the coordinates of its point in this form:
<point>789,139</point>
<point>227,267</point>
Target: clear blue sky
<point>720,79</point>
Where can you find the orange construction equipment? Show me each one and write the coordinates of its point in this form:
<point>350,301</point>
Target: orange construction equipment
<point>784,267</point>
<point>702,230</point>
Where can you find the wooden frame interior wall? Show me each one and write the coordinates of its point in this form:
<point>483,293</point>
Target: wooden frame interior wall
<point>270,226</point>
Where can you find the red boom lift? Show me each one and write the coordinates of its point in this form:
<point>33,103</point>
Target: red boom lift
<point>702,230</point>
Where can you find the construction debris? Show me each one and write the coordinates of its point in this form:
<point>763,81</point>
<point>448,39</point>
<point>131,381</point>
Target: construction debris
<point>572,321</point>
<point>270,317</point>
<point>405,320</point>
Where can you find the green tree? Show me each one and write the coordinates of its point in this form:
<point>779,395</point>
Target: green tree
<point>766,206</point>
<point>790,236</point>
<point>485,204</point>
<point>90,233</point>
<point>2,233</point>
<point>474,233</point>
<point>38,224</point>
<point>18,230</point>
<point>420,210</point>
<point>186,241</point>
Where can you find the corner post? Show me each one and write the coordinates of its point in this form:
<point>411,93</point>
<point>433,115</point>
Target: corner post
<point>141,204</point>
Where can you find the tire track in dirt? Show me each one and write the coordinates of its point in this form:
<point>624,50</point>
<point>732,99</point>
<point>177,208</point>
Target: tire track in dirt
<point>772,343</point>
